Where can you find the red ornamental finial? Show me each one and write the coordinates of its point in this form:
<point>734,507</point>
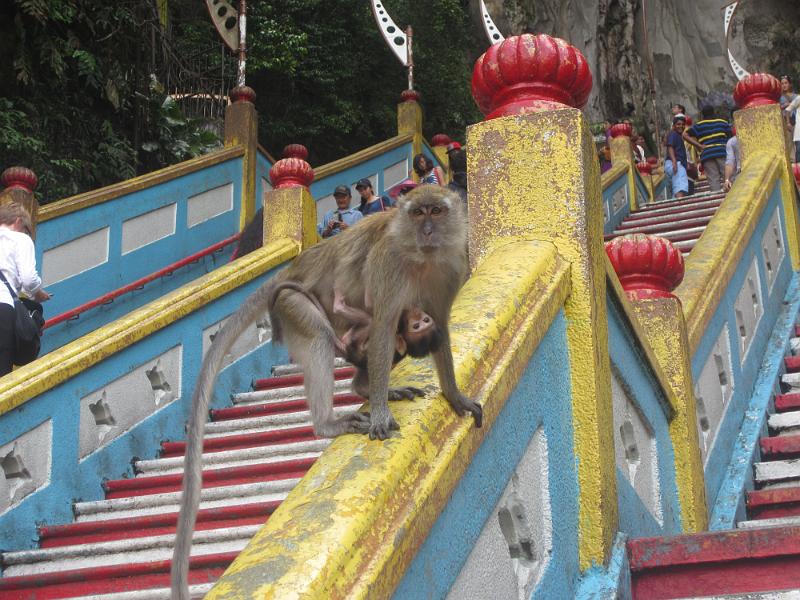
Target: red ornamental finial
<point>295,151</point>
<point>652,161</point>
<point>757,89</point>
<point>645,168</point>
<point>621,129</point>
<point>647,266</point>
<point>529,73</point>
<point>243,93</point>
<point>19,178</point>
<point>440,139</point>
<point>410,96</point>
<point>796,171</point>
<point>291,172</point>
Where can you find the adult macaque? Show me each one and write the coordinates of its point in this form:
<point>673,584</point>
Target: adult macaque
<point>411,257</point>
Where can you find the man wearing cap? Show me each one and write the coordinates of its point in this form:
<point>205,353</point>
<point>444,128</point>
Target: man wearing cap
<point>340,218</point>
<point>457,160</point>
<point>370,203</point>
<point>675,165</point>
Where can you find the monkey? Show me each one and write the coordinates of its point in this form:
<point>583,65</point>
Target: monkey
<point>414,256</point>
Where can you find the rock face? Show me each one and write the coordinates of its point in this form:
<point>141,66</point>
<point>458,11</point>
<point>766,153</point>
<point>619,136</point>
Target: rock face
<point>686,39</point>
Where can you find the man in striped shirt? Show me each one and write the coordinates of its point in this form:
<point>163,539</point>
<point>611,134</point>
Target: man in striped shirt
<point>709,135</point>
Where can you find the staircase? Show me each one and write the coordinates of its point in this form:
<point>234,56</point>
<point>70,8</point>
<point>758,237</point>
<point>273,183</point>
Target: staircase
<point>761,558</point>
<point>680,220</point>
<point>255,452</point>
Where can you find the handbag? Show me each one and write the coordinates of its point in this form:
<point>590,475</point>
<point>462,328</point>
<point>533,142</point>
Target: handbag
<point>28,325</point>
<point>691,171</point>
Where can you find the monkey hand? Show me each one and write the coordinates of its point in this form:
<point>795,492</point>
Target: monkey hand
<point>462,405</point>
<point>381,428</point>
<point>405,393</point>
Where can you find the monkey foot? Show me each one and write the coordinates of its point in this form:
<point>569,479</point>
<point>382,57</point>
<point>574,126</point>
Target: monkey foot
<point>382,430</point>
<point>405,393</point>
<point>464,406</point>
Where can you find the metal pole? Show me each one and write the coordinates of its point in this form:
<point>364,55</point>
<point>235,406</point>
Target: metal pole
<point>242,44</point>
<point>651,75</point>
<point>410,38</point>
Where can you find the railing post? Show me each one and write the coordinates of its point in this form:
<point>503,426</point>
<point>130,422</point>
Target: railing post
<point>761,129</point>
<point>439,143</point>
<point>649,268</point>
<point>533,174</point>
<point>289,209</point>
<point>241,128</point>
<point>409,118</point>
<point>19,184</point>
<point>622,153</point>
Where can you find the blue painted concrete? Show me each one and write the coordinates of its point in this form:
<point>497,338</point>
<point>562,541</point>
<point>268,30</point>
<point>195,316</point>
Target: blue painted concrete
<point>744,374</point>
<point>642,193</point>
<point>121,269</point>
<point>542,398</point>
<point>660,191</point>
<point>73,479</point>
<point>630,366</point>
<point>729,506</point>
<point>612,582</point>
<point>615,218</point>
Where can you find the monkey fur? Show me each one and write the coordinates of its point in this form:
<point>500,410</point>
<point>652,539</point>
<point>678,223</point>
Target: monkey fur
<point>412,256</point>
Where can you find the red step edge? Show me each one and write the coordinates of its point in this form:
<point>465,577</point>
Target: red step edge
<point>792,363</point>
<point>796,330</point>
<point>786,402</point>
<point>240,441</point>
<point>686,201</point>
<point>774,503</point>
<point>647,212</point>
<point>280,381</point>
<point>114,578</point>
<point>715,563</point>
<point>780,447</point>
<point>274,408</point>
<point>226,476</point>
<point>666,227</point>
<point>85,532</point>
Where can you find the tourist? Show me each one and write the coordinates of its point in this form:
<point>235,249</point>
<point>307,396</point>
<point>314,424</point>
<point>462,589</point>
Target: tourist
<point>710,135</point>
<point>426,171</point>
<point>790,110</point>
<point>458,169</point>
<point>733,161</point>
<point>639,153</point>
<point>675,165</point>
<point>340,218</point>
<point>370,202</point>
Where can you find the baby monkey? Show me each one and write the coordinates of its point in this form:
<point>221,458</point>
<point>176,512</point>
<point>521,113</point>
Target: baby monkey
<point>417,333</point>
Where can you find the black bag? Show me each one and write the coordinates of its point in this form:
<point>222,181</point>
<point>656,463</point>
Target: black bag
<point>28,325</point>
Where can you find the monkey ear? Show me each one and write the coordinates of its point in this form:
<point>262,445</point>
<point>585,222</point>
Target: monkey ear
<point>400,345</point>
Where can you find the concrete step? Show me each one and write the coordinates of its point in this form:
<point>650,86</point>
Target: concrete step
<point>715,563</point>
<point>782,595</point>
<point>102,581</point>
<point>787,402</point>
<point>292,368</point>
<point>294,392</point>
<point>780,447</point>
<point>268,422</point>
<point>235,441</point>
<point>784,423</point>
<point>664,227</point>
<point>773,503</point>
<point>273,407</point>
<point>157,504</point>
<point>777,472</point>
<point>773,522</point>
<point>236,458</point>
<point>164,593</point>
<point>121,552</point>
<point>297,379</point>
<point>659,211</point>
<point>668,218</point>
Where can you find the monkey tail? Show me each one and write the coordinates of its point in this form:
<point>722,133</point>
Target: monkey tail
<point>233,328</point>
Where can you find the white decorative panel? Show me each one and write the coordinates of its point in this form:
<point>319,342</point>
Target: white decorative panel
<point>635,448</point>
<point>253,337</point>
<point>209,204</point>
<point>619,199</point>
<point>713,390</point>
<point>75,256</point>
<point>395,174</point>
<point>748,309</point>
<point>148,228</point>
<point>772,247</point>
<point>25,463</point>
<point>514,547</point>
<point>117,407</point>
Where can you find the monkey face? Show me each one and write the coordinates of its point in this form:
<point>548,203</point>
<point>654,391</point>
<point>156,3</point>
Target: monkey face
<point>428,220</point>
<point>419,345</point>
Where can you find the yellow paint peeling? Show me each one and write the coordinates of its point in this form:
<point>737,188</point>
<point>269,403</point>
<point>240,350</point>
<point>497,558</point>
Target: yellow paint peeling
<point>536,176</point>
<point>409,122</point>
<point>716,255</point>
<point>353,524</point>
<point>290,213</point>
<point>610,176</point>
<point>762,131</point>
<point>56,367</point>
<point>622,154</point>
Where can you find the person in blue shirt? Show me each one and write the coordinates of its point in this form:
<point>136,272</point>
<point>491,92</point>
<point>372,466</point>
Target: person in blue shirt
<point>675,164</point>
<point>710,136</point>
<point>340,218</point>
<point>371,203</point>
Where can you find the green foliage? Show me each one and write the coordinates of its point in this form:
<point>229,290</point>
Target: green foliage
<point>77,105</point>
<point>784,58</point>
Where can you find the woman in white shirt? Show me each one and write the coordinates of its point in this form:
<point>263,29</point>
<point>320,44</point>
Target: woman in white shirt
<point>18,265</point>
<point>793,106</point>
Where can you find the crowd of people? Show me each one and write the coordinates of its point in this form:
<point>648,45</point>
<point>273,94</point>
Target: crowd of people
<point>343,216</point>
